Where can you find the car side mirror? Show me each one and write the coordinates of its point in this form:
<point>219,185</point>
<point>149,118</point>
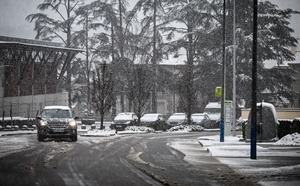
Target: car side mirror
<point>76,117</point>
<point>39,117</point>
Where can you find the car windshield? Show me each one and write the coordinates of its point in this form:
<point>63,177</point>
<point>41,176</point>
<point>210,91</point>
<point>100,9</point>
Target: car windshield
<point>198,117</point>
<point>149,117</point>
<point>177,117</point>
<point>123,116</point>
<point>56,113</point>
<point>212,110</point>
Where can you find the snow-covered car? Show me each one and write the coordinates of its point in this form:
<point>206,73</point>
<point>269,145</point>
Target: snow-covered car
<point>56,122</point>
<point>213,110</point>
<point>124,119</point>
<point>177,119</point>
<point>199,118</point>
<point>155,121</point>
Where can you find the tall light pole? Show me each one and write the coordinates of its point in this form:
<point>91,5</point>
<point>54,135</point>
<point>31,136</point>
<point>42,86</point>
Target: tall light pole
<point>254,80</point>
<point>233,77</point>
<point>224,77</point>
<point>87,61</point>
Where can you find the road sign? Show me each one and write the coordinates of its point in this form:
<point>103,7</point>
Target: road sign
<point>218,92</point>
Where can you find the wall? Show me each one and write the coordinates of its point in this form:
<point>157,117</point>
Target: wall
<point>282,113</point>
<point>27,106</point>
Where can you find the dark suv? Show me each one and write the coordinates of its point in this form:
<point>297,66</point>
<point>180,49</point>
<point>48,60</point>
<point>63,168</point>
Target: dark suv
<point>56,122</point>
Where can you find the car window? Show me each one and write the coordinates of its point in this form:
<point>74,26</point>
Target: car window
<point>56,113</point>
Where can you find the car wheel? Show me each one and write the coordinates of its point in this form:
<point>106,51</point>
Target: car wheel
<point>74,137</point>
<point>40,137</point>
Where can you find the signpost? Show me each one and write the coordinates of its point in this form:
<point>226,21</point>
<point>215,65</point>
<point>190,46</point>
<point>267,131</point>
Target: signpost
<point>228,118</point>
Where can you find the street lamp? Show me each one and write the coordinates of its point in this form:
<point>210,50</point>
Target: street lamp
<point>233,77</point>
<point>254,80</point>
<point>224,77</point>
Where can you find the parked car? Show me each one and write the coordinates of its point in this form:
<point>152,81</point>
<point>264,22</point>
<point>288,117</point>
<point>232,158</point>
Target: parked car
<point>124,119</point>
<point>177,119</point>
<point>155,121</point>
<point>199,118</point>
<point>213,110</point>
<point>56,122</point>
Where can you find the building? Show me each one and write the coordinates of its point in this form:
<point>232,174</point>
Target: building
<point>30,72</point>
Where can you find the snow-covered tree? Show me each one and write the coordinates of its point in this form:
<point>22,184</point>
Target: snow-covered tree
<point>274,42</point>
<point>185,23</point>
<point>152,12</point>
<point>59,26</point>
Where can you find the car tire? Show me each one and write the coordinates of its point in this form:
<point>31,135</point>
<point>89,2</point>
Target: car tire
<point>74,137</point>
<point>40,137</point>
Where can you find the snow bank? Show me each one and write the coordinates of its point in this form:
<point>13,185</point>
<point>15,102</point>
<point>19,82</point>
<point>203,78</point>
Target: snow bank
<point>136,130</point>
<point>99,133</point>
<point>186,128</point>
<point>290,139</point>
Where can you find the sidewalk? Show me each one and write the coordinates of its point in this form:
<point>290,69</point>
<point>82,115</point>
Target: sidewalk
<point>277,163</point>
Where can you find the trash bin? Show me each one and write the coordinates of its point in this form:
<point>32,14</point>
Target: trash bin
<point>266,122</point>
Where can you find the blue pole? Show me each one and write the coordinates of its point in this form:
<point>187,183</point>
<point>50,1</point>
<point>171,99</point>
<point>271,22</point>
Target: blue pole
<point>222,130</point>
<point>224,77</point>
<point>254,81</point>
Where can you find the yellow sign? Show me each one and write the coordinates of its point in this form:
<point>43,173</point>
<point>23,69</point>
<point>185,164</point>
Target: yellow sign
<point>218,92</point>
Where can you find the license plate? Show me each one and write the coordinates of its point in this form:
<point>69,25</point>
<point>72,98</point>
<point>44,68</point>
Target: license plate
<point>58,130</point>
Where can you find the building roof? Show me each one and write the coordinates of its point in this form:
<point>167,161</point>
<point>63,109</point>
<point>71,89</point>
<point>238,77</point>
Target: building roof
<point>13,41</point>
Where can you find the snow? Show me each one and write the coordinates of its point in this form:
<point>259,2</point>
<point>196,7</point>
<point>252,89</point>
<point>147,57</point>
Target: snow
<point>236,154</point>
<point>265,104</point>
<point>290,139</point>
<point>57,107</point>
<point>233,152</point>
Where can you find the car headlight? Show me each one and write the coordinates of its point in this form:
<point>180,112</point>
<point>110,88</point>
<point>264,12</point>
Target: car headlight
<point>127,122</point>
<point>43,123</point>
<point>72,123</point>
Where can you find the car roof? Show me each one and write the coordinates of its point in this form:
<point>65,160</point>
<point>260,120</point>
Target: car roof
<point>126,113</point>
<point>57,107</point>
<point>179,113</point>
<point>153,114</point>
<point>197,114</point>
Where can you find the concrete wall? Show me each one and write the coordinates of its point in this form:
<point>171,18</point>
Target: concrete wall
<point>27,106</point>
<point>282,113</point>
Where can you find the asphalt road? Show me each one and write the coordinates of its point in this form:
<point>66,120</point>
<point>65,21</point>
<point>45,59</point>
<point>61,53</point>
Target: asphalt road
<point>145,159</point>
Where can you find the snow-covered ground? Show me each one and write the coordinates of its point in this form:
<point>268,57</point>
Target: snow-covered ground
<point>233,151</point>
<point>236,154</point>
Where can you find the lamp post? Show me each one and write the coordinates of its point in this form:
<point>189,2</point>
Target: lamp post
<point>224,77</point>
<point>254,80</point>
<point>233,77</point>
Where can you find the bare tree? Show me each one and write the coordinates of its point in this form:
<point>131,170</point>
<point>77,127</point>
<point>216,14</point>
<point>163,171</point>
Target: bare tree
<point>141,87</point>
<point>50,28</point>
<point>102,89</point>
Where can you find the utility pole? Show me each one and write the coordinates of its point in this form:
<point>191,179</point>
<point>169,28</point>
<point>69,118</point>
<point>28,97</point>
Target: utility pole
<point>87,61</point>
<point>224,76</point>
<point>254,80</point>
<point>233,77</point>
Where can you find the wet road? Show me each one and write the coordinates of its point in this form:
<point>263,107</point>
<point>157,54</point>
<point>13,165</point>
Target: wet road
<point>145,159</point>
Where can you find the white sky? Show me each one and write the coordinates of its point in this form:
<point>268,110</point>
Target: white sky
<point>14,12</point>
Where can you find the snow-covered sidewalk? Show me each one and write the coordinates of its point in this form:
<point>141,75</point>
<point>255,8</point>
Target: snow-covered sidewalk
<point>270,167</point>
<point>236,147</point>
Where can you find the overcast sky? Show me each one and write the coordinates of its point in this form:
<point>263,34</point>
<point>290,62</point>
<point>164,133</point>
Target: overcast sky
<point>13,13</point>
